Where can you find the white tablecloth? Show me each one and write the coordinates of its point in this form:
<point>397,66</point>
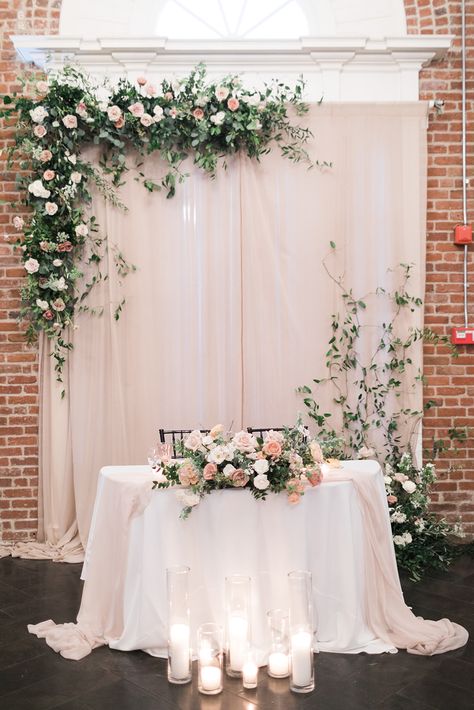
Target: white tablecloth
<point>230,532</point>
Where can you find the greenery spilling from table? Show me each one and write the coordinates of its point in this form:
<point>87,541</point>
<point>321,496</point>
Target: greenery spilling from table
<point>288,460</point>
<point>191,117</point>
<point>368,392</point>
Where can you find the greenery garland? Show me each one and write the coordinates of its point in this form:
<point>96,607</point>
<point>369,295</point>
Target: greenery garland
<point>189,117</point>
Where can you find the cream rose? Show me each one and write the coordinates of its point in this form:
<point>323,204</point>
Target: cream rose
<point>38,114</point>
<point>76,177</point>
<point>82,230</point>
<point>316,452</point>
<point>409,487</point>
<point>38,189</point>
<point>114,113</point>
<point>58,304</point>
<point>51,208</point>
<point>216,431</point>
<point>222,92</point>
<point>146,120</point>
<point>32,266</point>
<point>193,441</point>
<point>39,131</point>
<point>218,118</point>
<point>244,441</point>
<point>44,305</point>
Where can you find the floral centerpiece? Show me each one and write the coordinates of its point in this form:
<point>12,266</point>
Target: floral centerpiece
<point>288,460</point>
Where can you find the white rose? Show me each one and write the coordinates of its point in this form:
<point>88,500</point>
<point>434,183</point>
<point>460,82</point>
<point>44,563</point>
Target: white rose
<point>274,436</point>
<point>51,208</point>
<point>261,466</point>
<point>261,482</point>
<point>59,285</point>
<point>193,440</point>
<point>217,455</point>
<point>218,118</point>
<point>407,537</point>
<point>32,266</point>
<point>409,486</point>
<point>398,517</point>
<point>82,230</point>
<point>399,540</point>
<point>158,111</point>
<point>229,452</point>
<point>44,305</point>
<point>76,177</point>
<point>387,480</point>
<point>207,440</point>
<point>38,189</point>
<point>42,87</point>
<point>38,114</point>
<point>102,95</point>
<point>229,470</point>
<point>252,100</point>
<point>72,158</point>
<point>57,262</point>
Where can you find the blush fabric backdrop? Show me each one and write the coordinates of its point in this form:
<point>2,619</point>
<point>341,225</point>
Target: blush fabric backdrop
<point>229,309</point>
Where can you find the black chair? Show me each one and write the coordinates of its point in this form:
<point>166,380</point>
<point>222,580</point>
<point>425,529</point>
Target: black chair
<point>260,432</point>
<point>172,436</point>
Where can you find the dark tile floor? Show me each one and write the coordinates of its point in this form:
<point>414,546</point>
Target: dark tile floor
<point>32,676</point>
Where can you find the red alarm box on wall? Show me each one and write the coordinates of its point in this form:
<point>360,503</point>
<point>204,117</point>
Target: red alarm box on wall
<point>463,234</point>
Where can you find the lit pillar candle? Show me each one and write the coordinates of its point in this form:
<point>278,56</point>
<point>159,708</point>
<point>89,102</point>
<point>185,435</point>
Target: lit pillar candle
<point>278,664</point>
<point>210,678</point>
<point>301,658</point>
<point>237,641</point>
<point>250,673</point>
<point>179,651</point>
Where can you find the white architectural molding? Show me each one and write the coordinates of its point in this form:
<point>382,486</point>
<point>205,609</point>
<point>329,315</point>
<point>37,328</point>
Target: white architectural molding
<point>339,68</point>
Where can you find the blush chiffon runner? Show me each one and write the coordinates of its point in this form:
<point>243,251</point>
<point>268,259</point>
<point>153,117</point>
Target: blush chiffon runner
<point>101,616</point>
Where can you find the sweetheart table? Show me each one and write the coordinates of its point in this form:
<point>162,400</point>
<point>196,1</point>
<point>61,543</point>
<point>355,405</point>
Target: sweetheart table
<point>340,531</point>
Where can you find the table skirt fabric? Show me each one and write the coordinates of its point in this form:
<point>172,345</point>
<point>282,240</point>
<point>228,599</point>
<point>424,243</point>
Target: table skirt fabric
<point>340,531</point>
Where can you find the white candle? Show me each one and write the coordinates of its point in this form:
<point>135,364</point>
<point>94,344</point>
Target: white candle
<point>179,651</point>
<point>210,678</point>
<point>237,641</point>
<point>278,664</point>
<point>250,672</point>
<point>301,658</point>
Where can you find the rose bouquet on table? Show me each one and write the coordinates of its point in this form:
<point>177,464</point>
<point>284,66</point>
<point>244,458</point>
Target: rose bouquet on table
<point>278,461</point>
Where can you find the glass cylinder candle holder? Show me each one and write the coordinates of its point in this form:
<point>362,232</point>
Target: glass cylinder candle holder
<point>209,659</point>
<point>250,671</point>
<point>301,631</point>
<point>278,658</point>
<point>179,636</point>
<point>237,637</point>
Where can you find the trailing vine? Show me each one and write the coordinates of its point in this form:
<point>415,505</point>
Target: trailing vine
<point>191,117</point>
<point>368,392</point>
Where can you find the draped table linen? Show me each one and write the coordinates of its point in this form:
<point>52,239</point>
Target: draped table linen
<point>340,531</point>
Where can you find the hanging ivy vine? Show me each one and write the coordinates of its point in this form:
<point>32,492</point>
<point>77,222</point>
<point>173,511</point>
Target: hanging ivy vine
<point>192,117</point>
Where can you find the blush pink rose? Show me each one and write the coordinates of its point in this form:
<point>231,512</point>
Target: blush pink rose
<point>141,80</point>
<point>49,315</point>
<point>70,121</point>
<point>216,430</point>
<point>294,498</point>
<point>272,448</point>
<point>49,175</point>
<point>81,109</point>
<point>209,472</point>
<point>168,96</point>
<point>146,120</point>
<point>187,473</point>
<point>400,477</point>
<point>137,109</point>
<point>150,89</point>
<point>239,478</point>
<point>114,113</point>
<point>198,114</point>
<point>45,156</point>
<point>51,208</point>
<point>392,499</point>
<point>233,104</point>
<point>120,123</point>
<point>314,476</point>
<point>39,131</point>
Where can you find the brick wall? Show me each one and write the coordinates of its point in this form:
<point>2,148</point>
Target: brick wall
<point>451,382</point>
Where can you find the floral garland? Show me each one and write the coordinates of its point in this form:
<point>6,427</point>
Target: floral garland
<point>279,461</point>
<point>190,117</point>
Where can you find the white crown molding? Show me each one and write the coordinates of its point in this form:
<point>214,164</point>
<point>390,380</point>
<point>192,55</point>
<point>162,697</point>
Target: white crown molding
<point>340,68</point>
